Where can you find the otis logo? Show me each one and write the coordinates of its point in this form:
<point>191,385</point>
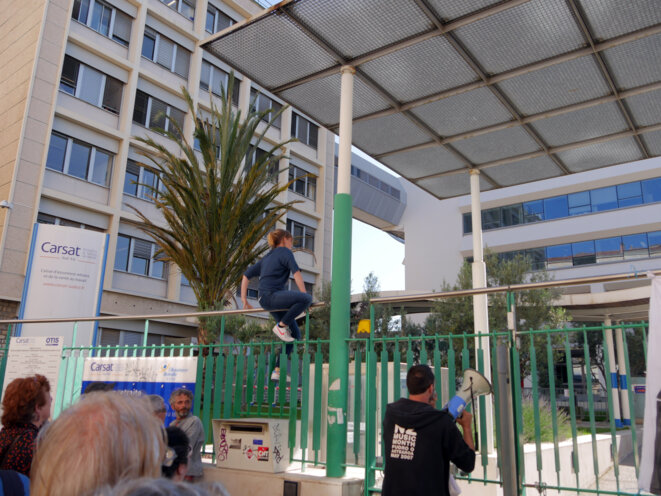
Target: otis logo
<point>48,247</point>
<point>52,341</point>
<point>101,367</point>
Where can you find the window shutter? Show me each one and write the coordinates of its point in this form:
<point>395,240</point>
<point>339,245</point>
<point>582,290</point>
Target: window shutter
<point>181,62</point>
<point>90,89</point>
<point>164,55</point>
<point>141,249</point>
<point>122,27</point>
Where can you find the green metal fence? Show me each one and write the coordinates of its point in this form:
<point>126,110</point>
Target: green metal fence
<point>559,446</point>
<point>233,381</point>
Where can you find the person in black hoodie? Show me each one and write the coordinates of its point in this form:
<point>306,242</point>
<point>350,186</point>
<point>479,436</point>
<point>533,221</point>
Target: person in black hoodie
<point>422,441</point>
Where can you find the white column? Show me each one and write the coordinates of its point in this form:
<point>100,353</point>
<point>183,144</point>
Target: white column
<point>613,372</point>
<point>622,375</point>
<point>346,121</point>
<point>480,302</point>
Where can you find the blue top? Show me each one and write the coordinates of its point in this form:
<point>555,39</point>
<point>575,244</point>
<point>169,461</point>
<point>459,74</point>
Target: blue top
<point>273,270</point>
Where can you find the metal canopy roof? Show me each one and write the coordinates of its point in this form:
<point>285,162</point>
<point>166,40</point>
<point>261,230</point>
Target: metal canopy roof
<point>522,90</point>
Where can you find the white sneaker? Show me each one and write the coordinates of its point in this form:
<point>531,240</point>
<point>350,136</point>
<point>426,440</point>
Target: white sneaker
<point>283,333</point>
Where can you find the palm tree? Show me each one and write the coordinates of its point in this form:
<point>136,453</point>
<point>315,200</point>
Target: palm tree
<point>217,210</point>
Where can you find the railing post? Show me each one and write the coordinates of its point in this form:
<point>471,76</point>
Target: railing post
<point>506,449</point>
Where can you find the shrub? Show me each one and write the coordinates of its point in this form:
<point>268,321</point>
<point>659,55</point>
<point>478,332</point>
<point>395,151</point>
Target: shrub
<point>545,421</point>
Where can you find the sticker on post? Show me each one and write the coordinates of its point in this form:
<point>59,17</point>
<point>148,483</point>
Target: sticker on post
<point>262,454</point>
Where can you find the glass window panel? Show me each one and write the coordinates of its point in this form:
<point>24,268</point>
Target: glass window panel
<point>512,215</point>
<point>112,96</point>
<point>604,199</point>
<point>181,62</point>
<point>302,130</point>
<point>91,86</point>
<point>583,252</point>
<point>131,178</point>
<point>140,108</point>
<point>157,116</point>
<point>69,78</point>
<point>45,218</point>
<point>652,190</point>
<point>583,209</point>
<point>224,21</point>
<point>491,218</point>
<point>312,188</point>
<point>56,152</point>
<point>204,75</point>
<point>157,268</point>
<point>79,161</point>
<point>139,265</point>
<point>578,199</point>
<point>101,171</point>
<point>628,190</point>
<point>556,207</point>
<point>218,80</point>
<point>121,31</point>
<point>276,108</point>
<point>654,240</point>
<point>537,258</point>
<point>165,51</point>
<point>468,223</point>
<point>187,8</point>
<point>630,202</point>
<point>80,10</point>
<point>635,246</point>
<point>148,45</point>
<point>210,21</point>
<point>148,182</point>
<point>314,132</point>
<point>559,256</point>
<point>608,249</point>
<point>122,252</point>
<point>176,121</point>
<point>533,211</point>
<point>101,18</point>
<point>294,124</point>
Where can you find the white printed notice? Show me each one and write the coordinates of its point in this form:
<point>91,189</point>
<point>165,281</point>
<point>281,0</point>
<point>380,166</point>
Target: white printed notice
<point>34,355</point>
<point>64,280</point>
<point>148,375</point>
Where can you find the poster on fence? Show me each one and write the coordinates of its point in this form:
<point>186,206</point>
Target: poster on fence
<point>649,478</point>
<point>34,355</point>
<point>64,279</point>
<point>148,375</point>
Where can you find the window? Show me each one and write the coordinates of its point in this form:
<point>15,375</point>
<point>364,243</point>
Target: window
<point>654,241</point>
<point>90,85</point>
<point>79,159</point>
<point>555,208</point>
<point>583,253</point>
<point>579,203</point>
<point>629,194</point>
<point>533,211</point>
<point>153,113</point>
<point>213,78</point>
<point>304,130</point>
<point>608,249</point>
<point>259,153</point>
<point>604,199</point>
<point>165,52</point>
<point>137,256</point>
<point>137,181</point>
<point>635,246</point>
<point>652,190</point>
<point>303,235</point>
<point>103,19</point>
<point>304,183</point>
<point>512,215</point>
<point>373,181</point>
<point>559,256</point>
<point>184,7</point>
<point>43,218</point>
<point>217,20</point>
<point>491,218</point>
<point>263,103</point>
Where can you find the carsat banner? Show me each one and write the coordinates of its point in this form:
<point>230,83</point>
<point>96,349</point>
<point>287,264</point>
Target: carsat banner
<point>148,375</point>
<point>64,279</point>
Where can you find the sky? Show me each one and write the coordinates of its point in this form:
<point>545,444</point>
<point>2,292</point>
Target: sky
<point>372,250</point>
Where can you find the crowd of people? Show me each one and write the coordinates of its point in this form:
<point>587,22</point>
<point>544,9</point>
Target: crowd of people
<point>105,444</point>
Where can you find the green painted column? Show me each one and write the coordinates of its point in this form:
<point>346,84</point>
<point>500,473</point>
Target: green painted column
<point>338,373</point>
<point>338,368</point>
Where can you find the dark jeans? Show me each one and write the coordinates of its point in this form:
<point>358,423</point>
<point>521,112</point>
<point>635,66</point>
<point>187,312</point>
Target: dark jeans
<point>289,305</point>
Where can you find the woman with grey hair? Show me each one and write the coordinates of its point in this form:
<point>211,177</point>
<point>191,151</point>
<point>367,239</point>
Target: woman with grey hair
<point>102,439</point>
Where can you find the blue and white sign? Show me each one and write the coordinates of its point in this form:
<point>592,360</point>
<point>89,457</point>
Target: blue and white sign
<point>64,279</point>
<point>148,375</point>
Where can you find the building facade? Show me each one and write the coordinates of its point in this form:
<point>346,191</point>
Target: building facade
<point>82,79</point>
<point>600,222</point>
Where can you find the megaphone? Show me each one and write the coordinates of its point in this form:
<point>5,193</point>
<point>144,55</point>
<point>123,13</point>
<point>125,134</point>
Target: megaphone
<point>474,384</point>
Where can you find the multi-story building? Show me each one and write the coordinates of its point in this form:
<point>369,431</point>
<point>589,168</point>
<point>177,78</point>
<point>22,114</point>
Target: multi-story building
<point>81,79</point>
<point>600,222</point>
